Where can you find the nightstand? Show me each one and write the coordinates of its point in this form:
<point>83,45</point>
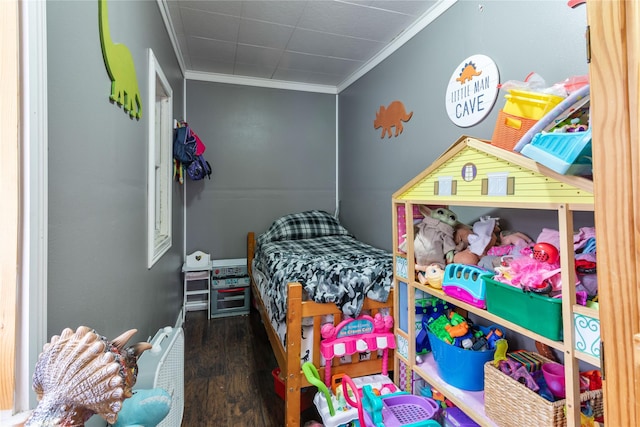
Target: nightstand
<point>197,289</point>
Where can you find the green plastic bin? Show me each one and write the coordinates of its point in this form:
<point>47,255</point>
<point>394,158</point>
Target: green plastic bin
<point>537,313</point>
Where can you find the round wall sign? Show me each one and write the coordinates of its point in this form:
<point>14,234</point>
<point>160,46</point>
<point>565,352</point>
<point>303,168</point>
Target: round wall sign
<point>472,90</point>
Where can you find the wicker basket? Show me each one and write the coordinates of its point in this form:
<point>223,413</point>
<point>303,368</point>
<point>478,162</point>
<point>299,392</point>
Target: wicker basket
<point>509,129</point>
<point>511,404</point>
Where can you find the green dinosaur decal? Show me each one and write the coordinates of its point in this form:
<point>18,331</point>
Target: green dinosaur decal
<point>119,63</point>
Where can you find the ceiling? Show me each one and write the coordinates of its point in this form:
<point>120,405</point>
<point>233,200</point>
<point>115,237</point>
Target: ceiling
<point>318,45</point>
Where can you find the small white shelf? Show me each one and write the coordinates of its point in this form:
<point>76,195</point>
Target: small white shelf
<point>197,289</point>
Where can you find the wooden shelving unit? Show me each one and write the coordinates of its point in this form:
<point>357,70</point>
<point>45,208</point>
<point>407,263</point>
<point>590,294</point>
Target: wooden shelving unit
<point>523,184</point>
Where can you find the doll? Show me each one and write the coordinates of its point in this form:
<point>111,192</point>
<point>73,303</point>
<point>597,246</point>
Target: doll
<point>434,242</point>
<point>482,237</point>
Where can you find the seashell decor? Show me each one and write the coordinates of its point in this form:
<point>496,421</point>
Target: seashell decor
<point>81,373</point>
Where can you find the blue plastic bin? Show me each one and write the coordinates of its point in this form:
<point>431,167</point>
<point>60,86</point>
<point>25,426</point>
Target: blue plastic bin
<point>461,368</point>
<point>565,153</point>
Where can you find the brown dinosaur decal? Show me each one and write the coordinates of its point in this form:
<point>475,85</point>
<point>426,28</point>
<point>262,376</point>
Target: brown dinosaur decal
<point>392,116</point>
<point>468,73</point>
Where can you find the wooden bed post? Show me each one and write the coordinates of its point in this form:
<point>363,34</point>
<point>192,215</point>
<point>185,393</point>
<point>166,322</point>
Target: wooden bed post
<point>292,380</point>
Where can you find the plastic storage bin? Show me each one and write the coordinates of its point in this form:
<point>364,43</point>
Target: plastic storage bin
<point>306,395</point>
<point>565,153</point>
<point>464,282</point>
<point>461,368</point>
<point>530,105</point>
<point>538,313</point>
<point>509,129</point>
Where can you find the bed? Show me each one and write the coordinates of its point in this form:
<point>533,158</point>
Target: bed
<point>307,270</point>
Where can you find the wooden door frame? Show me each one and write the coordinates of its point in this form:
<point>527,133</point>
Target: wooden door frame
<point>614,76</point>
<point>10,193</point>
<point>23,276</point>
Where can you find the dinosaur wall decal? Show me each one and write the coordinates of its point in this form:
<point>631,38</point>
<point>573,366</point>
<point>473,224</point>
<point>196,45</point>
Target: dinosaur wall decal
<point>120,66</point>
<point>392,116</point>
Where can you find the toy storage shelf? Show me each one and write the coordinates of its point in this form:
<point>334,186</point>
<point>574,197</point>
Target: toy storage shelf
<point>471,402</point>
<point>465,175</point>
<point>558,345</point>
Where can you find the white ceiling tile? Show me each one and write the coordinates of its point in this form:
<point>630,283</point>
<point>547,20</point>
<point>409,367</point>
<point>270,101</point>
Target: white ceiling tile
<point>256,55</point>
<point>280,12</point>
<point>233,8</point>
<point>308,41</point>
<point>254,70</point>
<point>307,77</point>
<point>262,33</point>
<point>326,44</point>
<point>321,64</point>
<point>209,65</point>
<point>407,7</point>
<point>352,20</point>
<point>209,25</point>
<point>207,48</point>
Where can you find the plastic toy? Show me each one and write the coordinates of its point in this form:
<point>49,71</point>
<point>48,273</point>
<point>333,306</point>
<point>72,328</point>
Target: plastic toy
<point>493,337</point>
<point>554,376</point>
<point>393,410</point>
<point>545,252</point>
<point>455,417</point>
<point>438,328</point>
<point>432,276</point>
<point>457,326</point>
<point>364,333</point>
<point>146,408</point>
<point>501,352</point>
<point>518,373</point>
<point>465,283</point>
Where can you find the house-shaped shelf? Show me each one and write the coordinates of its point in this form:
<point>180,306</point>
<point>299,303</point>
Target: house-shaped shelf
<point>473,172</point>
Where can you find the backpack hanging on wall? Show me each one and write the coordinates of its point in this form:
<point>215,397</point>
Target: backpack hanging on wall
<point>184,144</point>
<point>198,169</point>
<point>188,151</point>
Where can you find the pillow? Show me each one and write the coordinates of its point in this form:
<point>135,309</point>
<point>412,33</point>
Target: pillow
<point>303,225</point>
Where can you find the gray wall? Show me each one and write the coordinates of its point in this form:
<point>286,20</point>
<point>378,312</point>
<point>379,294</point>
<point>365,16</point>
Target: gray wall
<point>520,36</point>
<point>272,152</point>
<point>97,274</point>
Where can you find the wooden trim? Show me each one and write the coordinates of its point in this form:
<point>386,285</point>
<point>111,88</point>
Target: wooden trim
<point>10,193</point>
<point>615,59</point>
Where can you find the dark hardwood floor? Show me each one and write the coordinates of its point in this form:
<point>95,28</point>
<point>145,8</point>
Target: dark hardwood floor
<point>227,379</point>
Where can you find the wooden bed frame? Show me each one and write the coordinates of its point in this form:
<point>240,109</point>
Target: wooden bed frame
<point>289,358</point>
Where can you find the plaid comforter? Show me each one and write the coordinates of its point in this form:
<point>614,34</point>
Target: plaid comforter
<point>332,268</point>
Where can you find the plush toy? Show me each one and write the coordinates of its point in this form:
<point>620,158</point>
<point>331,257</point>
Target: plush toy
<point>480,239</point>
<point>146,408</point>
<point>434,242</point>
<point>433,276</point>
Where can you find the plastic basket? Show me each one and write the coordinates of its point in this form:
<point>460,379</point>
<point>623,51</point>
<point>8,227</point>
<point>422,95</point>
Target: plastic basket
<point>565,153</point>
<point>459,367</point>
<point>538,313</point>
<point>509,129</point>
<point>464,282</point>
<point>511,404</point>
<point>306,394</point>
<point>530,105</point>
<point>407,409</point>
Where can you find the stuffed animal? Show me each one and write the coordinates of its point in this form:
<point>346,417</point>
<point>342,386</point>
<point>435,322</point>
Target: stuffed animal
<point>433,276</point>
<point>434,242</point>
<point>482,237</point>
<point>146,408</point>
